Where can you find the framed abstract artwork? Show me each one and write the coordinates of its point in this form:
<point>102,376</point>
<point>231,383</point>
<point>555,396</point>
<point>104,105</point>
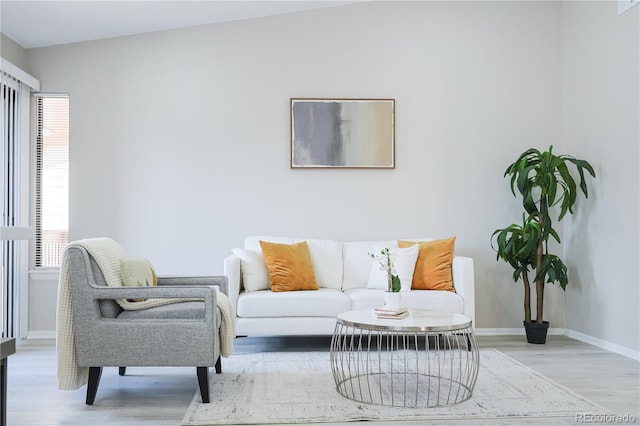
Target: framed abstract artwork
<point>342,133</point>
<point>624,5</point>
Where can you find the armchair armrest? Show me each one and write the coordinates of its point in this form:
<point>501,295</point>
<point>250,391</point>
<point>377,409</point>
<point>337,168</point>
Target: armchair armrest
<point>164,292</point>
<point>207,293</point>
<point>220,281</point>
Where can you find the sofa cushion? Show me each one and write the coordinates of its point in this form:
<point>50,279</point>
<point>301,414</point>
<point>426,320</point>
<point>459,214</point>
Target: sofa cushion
<point>326,257</point>
<point>321,303</point>
<point>437,300</point>
<point>403,261</point>
<point>357,262</point>
<point>433,268</point>
<point>289,266</point>
<point>365,298</point>
<point>253,269</point>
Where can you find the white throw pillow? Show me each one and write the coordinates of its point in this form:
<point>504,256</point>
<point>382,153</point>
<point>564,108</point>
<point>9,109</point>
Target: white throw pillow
<point>254,270</point>
<point>404,260</point>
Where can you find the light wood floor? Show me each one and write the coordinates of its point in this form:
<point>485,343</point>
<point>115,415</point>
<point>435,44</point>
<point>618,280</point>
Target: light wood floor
<point>160,396</point>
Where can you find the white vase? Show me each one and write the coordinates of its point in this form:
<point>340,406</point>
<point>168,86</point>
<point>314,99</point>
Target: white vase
<point>391,300</point>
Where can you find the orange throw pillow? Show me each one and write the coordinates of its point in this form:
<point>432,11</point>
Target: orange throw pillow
<point>289,266</point>
<point>433,267</point>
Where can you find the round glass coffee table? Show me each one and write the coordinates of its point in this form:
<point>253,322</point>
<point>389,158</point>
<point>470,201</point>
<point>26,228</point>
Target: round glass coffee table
<point>426,359</point>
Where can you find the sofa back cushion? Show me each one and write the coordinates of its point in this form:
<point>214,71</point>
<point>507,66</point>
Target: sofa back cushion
<point>326,257</point>
<point>357,262</point>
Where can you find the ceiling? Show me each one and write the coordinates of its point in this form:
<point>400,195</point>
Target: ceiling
<point>46,23</point>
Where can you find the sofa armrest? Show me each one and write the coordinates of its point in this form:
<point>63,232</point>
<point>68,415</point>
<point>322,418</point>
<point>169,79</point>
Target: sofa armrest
<point>218,281</point>
<point>234,279</point>
<point>463,281</point>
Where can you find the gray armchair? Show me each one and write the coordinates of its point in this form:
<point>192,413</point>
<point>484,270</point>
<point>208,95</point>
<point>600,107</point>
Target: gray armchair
<point>179,334</point>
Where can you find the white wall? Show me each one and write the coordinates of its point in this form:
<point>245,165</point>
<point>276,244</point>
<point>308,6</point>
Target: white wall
<point>180,139</point>
<point>13,52</point>
<point>601,123</point>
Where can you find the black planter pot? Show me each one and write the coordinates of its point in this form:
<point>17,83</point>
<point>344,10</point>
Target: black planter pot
<point>536,333</point>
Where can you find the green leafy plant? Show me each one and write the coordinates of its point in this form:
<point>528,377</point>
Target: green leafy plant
<point>384,259</point>
<point>544,181</point>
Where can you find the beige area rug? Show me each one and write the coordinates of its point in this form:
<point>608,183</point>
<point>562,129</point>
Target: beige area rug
<point>298,387</point>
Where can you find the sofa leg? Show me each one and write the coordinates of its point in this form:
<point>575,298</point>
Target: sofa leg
<point>203,381</point>
<point>92,385</point>
<point>218,366</point>
<point>122,370</point>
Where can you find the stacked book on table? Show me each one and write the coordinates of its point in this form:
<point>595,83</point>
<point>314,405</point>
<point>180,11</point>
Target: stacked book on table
<point>384,313</point>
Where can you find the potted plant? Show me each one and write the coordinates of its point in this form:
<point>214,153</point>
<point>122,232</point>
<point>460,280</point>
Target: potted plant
<point>545,183</point>
<point>392,295</point>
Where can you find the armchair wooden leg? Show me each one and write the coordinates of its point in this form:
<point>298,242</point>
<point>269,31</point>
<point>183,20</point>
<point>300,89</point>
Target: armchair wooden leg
<point>92,385</point>
<point>122,370</point>
<point>218,366</point>
<point>203,381</point>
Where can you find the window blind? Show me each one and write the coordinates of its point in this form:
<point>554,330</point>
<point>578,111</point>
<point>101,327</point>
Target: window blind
<point>52,178</point>
<point>9,93</point>
<point>15,194</point>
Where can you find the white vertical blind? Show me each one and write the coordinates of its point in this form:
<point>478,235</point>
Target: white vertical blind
<point>15,165</point>
<point>52,178</point>
<point>9,123</point>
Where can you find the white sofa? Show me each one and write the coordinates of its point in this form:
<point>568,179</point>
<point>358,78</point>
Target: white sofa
<point>342,271</point>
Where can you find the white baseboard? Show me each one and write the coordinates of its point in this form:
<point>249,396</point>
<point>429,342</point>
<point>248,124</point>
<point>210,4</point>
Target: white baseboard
<point>514,331</point>
<point>629,353</point>
<point>499,331</point>
<point>603,344</point>
<point>43,334</point>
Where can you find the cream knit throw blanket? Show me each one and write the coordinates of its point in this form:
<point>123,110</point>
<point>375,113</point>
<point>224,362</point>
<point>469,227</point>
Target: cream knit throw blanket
<point>107,254</point>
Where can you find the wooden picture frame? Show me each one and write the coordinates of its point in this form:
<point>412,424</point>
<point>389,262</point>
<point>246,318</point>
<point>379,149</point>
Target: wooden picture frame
<point>342,133</point>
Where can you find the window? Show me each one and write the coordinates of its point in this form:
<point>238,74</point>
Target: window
<point>52,178</point>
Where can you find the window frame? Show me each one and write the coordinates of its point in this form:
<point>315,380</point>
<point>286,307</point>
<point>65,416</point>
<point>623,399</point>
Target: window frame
<point>35,96</point>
